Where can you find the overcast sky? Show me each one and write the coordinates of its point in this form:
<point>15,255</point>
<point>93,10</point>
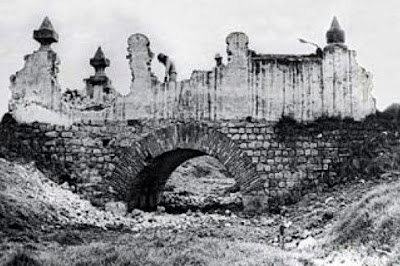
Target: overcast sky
<point>192,31</point>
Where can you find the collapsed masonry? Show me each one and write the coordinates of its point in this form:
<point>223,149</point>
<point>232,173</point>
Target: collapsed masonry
<point>262,86</point>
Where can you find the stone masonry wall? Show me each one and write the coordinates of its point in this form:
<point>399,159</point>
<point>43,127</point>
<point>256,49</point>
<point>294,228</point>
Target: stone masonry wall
<point>289,161</point>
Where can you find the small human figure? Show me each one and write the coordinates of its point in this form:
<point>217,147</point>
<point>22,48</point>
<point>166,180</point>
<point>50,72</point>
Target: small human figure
<point>170,70</point>
<point>319,52</point>
<point>218,60</point>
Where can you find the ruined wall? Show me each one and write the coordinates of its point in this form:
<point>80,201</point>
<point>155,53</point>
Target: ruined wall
<point>288,161</point>
<point>36,83</point>
<point>262,86</point>
<point>304,87</point>
<point>137,102</point>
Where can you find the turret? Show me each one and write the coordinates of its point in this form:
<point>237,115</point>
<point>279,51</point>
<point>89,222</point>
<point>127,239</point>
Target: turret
<point>99,62</point>
<point>99,83</point>
<point>45,35</point>
<point>335,35</point>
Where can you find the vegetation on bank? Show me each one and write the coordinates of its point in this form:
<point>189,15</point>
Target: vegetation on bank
<point>159,249</point>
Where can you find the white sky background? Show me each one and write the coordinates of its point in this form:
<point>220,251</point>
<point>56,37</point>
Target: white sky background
<point>192,31</point>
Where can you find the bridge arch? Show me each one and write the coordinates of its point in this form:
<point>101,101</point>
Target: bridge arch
<point>144,167</point>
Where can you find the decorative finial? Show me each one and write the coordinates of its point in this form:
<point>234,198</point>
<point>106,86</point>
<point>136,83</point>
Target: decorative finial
<point>46,34</point>
<point>335,34</point>
<point>99,62</point>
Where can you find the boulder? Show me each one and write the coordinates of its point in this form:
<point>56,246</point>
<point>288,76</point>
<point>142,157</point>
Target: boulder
<point>135,213</point>
<point>117,207</point>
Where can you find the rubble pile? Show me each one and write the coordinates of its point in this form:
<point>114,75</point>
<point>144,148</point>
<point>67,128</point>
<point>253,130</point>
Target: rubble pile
<point>203,184</point>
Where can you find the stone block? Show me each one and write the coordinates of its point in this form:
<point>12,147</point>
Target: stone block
<point>249,152</point>
<point>269,130</point>
<point>271,176</point>
<point>258,144</point>
<point>95,179</point>
<point>281,184</point>
<point>274,144</point>
<point>243,136</point>
<point>75,141</point>
<point>313,145</point>
<point>67,134</point>
<point>236,137</point>
<point>243,145</point>
<point>52,134</point>
<point>59,128</point>
<point>287,174</point>
<point>50,143</point>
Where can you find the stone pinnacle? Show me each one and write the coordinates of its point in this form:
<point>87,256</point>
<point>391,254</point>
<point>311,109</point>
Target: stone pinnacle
<point>335,34</point>
<point>99,60</point>
<point>45,35</point>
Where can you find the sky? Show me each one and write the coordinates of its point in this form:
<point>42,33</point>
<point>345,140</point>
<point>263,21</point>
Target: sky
<point>192,31</point>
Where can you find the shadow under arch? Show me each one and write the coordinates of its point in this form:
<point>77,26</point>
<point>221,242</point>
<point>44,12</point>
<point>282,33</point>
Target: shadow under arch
<point>144,167</point>
<point>152,179</point>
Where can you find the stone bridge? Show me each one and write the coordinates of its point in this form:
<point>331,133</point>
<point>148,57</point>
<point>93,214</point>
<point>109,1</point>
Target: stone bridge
<point>273,163</point>
<point>267,118</point>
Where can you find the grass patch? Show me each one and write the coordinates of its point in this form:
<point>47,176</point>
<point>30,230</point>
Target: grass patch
<point>374,221</point>
<point>164,248</point>
<point>21,258</point>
